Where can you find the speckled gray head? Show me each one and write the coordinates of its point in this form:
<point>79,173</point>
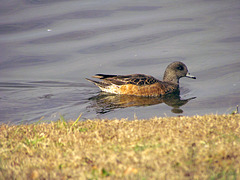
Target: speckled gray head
<point>175,71</point>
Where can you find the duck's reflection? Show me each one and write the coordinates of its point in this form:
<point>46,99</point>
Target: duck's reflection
<point>105,102</point>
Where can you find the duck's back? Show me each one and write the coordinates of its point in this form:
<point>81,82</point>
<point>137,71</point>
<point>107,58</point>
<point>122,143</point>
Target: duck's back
<point>135,84</point>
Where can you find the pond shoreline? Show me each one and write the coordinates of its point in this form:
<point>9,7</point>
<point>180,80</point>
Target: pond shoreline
<point>197,147</point>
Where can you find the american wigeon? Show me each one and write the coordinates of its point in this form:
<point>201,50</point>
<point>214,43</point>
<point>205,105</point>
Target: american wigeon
<point>144,85</point>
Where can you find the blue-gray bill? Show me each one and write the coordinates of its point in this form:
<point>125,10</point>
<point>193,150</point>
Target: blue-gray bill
<point>190,76</point>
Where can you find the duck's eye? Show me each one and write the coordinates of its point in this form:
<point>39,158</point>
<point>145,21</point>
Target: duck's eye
<point>180,68</point>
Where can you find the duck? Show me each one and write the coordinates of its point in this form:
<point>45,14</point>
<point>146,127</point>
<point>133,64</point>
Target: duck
<point>144,85</point>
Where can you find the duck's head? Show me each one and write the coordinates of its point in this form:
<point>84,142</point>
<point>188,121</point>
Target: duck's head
<point>175,71</point>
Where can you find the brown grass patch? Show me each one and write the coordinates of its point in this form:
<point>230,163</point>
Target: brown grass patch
<point>199,147</point>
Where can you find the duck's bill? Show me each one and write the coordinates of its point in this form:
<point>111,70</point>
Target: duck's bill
<point>190,76</point>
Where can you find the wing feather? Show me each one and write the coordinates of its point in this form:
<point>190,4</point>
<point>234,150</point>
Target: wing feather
<point>134,79</point>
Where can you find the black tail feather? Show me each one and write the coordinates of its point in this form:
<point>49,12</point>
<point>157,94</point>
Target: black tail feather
<point>103,76</point>
<point>100,84</point>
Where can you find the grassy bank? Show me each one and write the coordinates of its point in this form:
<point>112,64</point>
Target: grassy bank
<point>199,147</point>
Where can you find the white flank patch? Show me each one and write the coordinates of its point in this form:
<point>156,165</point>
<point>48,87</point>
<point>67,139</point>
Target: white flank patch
<point>111,89</point>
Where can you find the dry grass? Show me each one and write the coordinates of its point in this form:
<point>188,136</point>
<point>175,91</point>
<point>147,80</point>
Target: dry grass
<point>199,147</point>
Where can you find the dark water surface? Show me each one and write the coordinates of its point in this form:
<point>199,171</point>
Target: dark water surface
<point>47,48</point>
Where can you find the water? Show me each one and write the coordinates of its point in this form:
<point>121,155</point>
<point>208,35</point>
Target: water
<point>47,48</point>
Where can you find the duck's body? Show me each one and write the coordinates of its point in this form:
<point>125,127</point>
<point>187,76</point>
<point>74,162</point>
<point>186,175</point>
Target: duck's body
<point>144,85</point>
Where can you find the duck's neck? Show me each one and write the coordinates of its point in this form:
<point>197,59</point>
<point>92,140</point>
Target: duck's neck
<point>171,78</point>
